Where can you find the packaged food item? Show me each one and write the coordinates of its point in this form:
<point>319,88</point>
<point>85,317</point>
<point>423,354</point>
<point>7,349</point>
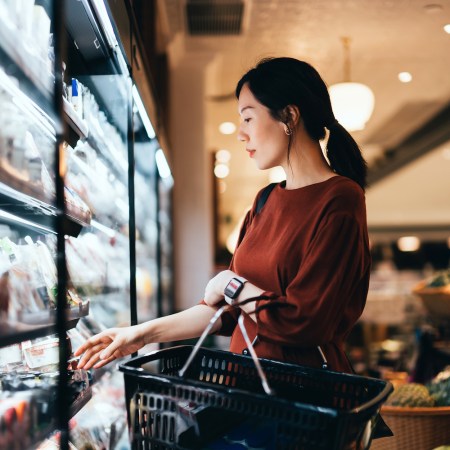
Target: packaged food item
<point>44,353</point>
<point>10,357</point>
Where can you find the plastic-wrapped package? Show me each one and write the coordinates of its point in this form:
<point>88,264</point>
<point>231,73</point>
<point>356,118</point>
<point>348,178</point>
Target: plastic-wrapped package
<point>102,421</point>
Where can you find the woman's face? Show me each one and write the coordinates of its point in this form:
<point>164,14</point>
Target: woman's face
<point>265,138</point>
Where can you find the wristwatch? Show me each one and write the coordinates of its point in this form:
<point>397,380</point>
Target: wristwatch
<point>233,289</point>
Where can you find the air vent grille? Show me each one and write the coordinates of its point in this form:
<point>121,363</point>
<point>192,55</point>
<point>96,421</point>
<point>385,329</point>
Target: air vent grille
<point>214,17</point>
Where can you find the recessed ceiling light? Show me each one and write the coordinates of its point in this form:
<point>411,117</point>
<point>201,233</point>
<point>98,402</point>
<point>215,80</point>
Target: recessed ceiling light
<point>223,155</point>
<point>447,28</point>
<point>221,170</point>
<point>227,128</point>
<point>408,243</point>
<point>405,77</point>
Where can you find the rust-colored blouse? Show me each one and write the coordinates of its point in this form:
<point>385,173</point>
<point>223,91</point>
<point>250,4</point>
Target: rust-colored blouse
<point>308,248</point>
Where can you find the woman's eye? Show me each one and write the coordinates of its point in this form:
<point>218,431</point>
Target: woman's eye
<point>247,120</point>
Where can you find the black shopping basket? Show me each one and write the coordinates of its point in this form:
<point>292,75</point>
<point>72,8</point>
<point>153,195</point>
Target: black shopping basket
<point>189,397</point>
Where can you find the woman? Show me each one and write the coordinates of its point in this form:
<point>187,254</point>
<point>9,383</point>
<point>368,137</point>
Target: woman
<point>302,263</point>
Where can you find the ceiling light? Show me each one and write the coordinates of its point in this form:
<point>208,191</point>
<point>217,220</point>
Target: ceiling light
<point>352,103</point>
<point>408,243</point>
<point>223,156</point>
<point>447,28</point>
<point>405,77</point>
<point>227,128</point>
<point>221,170</point>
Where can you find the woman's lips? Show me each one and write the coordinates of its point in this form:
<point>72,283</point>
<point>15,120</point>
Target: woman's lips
<point>251,153</point>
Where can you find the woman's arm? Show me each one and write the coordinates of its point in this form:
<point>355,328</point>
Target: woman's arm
<point>214,292</point>
<point>115,343</point>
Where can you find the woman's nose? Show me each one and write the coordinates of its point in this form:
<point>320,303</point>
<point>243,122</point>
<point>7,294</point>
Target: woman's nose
<point>241,136</point>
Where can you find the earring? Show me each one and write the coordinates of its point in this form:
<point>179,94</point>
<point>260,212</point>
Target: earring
<point>288,130</point>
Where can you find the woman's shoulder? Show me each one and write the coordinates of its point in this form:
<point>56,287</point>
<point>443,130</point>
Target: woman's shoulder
<point>346,186</point>
<point>345,194</point>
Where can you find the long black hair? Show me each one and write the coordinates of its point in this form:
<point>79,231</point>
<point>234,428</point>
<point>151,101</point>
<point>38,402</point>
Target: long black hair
<point>279,82</point>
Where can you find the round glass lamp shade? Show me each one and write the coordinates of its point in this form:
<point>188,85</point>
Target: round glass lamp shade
<point>352,104</point>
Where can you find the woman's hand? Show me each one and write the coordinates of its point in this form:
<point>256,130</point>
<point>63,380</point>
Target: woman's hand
<point>215,287</point>
<point>109,345</point>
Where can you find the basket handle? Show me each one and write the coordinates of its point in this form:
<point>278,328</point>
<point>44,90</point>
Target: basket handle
<point>253,354</point>
<point>205,333</point>
<point>261,373</point>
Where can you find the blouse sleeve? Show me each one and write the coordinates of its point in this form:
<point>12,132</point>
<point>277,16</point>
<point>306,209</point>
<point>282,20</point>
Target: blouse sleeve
<point>319,298</point>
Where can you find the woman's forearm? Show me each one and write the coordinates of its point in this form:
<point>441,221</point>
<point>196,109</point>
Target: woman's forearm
<point>186,324</point>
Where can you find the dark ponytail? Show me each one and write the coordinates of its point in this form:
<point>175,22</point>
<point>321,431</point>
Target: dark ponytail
<point>345,155</point>
<point>279,82</point>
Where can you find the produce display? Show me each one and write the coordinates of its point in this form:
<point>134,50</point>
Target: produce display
<point>440,279</point>
<point>412,395</point>
<point>440,388</point>
<point>435,296</point>
<point>435,393</point>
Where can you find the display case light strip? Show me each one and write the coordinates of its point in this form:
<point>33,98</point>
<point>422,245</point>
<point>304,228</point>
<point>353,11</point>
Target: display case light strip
<point>105,21</point>
<point>122,63</point>
<point>161,163</point>
<point>16,219</point>
<point>108,231</point>
<point>143,113</point>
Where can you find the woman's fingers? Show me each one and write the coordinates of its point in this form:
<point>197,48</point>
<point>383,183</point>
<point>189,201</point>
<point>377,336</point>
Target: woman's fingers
<point>103,362</point>
<point>98,360</point>
<point>92,341</point>
<point>111,348</point>
<point>92,359</point>
<point>102,348</point>
<point>88,354</point>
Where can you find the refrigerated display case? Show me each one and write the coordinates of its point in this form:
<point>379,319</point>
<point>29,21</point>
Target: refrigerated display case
<point>38,306</point>
<point>79,219</point>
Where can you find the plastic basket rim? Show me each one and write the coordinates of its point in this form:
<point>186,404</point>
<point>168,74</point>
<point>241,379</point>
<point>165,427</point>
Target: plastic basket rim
<point>171,379</point>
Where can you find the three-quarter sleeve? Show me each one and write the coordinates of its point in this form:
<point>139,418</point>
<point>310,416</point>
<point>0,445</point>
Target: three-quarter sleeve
<point>320,298</point>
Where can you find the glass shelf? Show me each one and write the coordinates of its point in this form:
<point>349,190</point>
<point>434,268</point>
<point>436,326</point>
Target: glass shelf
<point>74,121</point>
<point>26,206</point>
<point>20,63</point>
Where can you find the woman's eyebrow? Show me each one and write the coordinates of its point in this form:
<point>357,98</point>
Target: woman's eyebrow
<point>244,108</point>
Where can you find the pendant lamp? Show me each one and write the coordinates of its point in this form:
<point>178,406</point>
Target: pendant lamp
<point>352,103</point>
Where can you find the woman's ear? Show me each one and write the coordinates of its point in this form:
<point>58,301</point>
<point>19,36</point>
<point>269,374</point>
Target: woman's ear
<point>291,116</point>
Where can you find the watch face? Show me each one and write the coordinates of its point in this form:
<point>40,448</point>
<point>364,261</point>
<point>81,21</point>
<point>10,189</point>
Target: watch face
<point>234,287</point>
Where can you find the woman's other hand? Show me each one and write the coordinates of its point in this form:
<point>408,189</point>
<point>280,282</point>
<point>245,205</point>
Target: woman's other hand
<point>215,287</point>
<point>109,345</point>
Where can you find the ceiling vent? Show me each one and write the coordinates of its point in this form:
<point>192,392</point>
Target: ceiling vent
<point>214,17</point>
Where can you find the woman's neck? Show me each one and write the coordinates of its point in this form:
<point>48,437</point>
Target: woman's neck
<point>307,165</point>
